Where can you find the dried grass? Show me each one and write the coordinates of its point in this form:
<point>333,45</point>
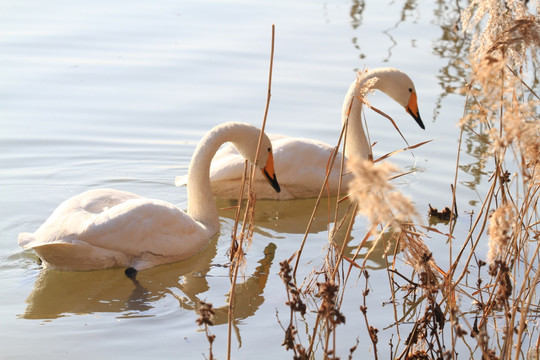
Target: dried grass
<point>433,321</point>
<point>502,112</point>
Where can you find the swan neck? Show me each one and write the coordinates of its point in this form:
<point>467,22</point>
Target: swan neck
<point>356,144</point>
<point>201,202</point>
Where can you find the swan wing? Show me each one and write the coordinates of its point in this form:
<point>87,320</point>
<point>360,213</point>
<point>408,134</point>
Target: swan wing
<point>300,166</point>
<point>101,227</point>
<point>228,164</point>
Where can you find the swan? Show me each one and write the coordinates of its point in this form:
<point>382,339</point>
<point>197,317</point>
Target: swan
<point>105,228</point>
<point>301,163</point>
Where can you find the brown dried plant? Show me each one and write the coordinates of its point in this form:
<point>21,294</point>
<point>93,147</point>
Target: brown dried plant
<point>503,109</point>
<point>206,314</point>
<point>329,311</point>
<point>242,241</point>
<point>500,232</point>
<point>505,26</point>
<point>376,196</point>
<point>295,303</point>
<point>386,207</point>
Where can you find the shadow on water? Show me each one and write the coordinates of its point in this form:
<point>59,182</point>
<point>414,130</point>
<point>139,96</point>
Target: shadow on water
<point>63,293</point>
<point>292,217</point>
<point>287,217</point>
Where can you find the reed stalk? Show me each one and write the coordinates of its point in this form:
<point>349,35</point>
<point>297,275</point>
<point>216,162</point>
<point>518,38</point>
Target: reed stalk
<point>432,318</point>
<point>237,253</point>
<point>501,113</point>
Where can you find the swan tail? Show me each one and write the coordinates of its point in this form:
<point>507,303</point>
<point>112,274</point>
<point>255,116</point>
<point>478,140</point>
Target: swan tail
<point>180,180</point>
<point>26,239</point>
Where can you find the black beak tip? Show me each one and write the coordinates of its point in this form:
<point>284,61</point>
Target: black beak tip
<point>275,185</point>
<point>272,180</point>
<point>417,118</point>
<point>419,122</point>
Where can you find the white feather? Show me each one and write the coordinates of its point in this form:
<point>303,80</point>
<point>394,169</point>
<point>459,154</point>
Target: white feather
<point>107,228</point>
<point>302,163</point>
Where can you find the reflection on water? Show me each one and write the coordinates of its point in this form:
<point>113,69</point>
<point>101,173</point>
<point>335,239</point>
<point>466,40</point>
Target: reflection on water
<point>476,147</point>
<point>248,294</point>
<point>357,14</point>
<point>374,253</point>
<point>97,110</point>
<point>63,293</point>
<point>408,7</point>
<point>59,293</point>
<point>289,217</point>
<point>292,217</point>
<point>453,47</point>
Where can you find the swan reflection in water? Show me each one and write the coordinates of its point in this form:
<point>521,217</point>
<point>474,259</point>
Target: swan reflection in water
<point>292,217</point>
<point>65,293</point>
<point>288,217</point>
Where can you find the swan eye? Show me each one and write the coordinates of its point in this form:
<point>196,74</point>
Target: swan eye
<point>269,149</point>
<point>410,90</point>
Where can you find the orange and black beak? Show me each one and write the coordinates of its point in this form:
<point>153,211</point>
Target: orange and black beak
<point>268,172</point>
<point>412,109</point>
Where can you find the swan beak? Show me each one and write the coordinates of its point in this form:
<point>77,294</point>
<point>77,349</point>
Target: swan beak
<point>269,174</point>
<point>412,109</point>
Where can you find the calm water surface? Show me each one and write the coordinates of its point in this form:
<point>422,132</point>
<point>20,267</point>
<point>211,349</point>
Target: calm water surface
<point>118,95</point>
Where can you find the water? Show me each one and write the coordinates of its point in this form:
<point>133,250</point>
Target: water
<point>118,95</point>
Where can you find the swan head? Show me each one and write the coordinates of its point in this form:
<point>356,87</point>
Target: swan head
<point>265,160</point>
<point>399,87</point>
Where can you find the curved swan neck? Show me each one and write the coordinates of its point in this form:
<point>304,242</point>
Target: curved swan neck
<point>378,79</point>
<point>201,203</point>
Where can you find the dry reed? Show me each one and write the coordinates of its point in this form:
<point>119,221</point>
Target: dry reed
<point>502,113</point>
<point>242,241</point>
<point>434,321</point>
<point>206,313</point>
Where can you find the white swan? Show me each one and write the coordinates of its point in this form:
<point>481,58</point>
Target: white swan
<point>106,228</point>
<point>302,163</point>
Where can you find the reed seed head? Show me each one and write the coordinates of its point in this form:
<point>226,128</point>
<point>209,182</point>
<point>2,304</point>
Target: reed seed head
<point>376,197</point>
<point>206,313</point>
<point>500,230</point>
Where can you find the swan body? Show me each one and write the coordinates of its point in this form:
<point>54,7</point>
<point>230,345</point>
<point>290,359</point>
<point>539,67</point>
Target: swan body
<point>302,163</point>
<point>106,228</point>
